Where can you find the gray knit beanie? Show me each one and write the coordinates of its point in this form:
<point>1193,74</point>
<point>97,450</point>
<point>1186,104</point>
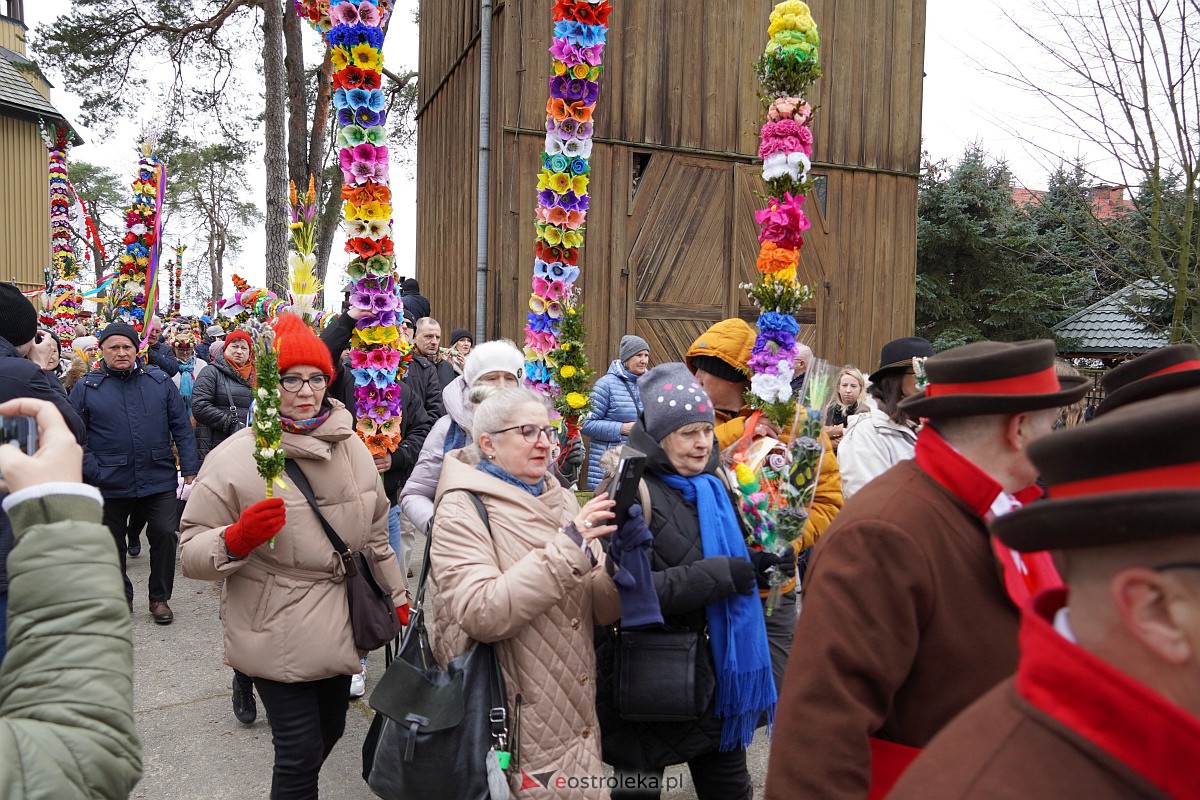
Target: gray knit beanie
<point>631,345</point>
<point>672,398</point>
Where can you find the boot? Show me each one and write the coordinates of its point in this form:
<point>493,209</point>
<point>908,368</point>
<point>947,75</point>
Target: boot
<point>244,707</point>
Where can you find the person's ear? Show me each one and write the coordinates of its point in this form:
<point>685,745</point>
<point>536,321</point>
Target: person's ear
<point>1152,607</point>
<point>487,446</point>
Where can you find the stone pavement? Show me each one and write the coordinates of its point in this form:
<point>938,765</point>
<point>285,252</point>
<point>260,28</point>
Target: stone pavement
<point>193,748</point>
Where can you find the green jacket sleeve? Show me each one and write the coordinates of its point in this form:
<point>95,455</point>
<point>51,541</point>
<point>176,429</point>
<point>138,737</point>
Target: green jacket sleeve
<point>66,685</point>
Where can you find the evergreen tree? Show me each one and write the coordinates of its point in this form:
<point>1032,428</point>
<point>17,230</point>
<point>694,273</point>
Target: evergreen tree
<point>977,275</point>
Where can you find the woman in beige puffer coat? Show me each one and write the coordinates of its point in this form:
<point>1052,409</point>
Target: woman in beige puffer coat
<point>284,606</point>
<point>533,585</point>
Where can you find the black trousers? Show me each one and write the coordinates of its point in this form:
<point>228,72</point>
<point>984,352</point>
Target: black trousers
<point>715,775</point>
<point>157,512</point>
<point>307,719</point>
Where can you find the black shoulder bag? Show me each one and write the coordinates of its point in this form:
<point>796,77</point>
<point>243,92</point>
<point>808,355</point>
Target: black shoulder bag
<point>438,734</point>
<point>372,613</point>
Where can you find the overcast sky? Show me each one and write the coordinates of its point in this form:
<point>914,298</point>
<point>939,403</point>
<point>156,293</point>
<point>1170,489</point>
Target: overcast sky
<point>962,104</point>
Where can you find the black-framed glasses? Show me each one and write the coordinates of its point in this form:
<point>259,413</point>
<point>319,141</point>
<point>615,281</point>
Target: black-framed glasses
<point>1170,565</point>
<point>531,432</point>
<point>292,383</point>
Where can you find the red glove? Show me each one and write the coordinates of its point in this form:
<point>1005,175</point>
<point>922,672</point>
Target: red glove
<point>257,524</point>
<point>402,613</point>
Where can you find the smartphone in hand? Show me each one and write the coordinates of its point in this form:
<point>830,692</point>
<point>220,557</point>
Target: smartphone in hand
<point>21,431</point>
<point>624,487</point>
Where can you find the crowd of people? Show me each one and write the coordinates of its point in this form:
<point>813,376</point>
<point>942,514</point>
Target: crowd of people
<point>990,597</point>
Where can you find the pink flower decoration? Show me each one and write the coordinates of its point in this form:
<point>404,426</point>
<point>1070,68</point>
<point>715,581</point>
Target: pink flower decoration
<point>344,13</point>
<point>782,222</point>
<point>369,14</point>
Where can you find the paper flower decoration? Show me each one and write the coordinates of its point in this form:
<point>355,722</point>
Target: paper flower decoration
<point>554,332</point>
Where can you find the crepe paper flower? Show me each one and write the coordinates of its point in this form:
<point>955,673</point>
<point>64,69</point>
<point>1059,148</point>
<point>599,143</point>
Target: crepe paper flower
<point>366,57</point>
<point>782,222</point>
<point>794,165</point>
<point>576,400</point>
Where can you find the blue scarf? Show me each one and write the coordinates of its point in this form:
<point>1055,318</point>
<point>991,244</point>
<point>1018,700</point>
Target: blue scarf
<point>508,477</point>
<point>736,627</point>
<point>456,437</point>
<point>186,381</point>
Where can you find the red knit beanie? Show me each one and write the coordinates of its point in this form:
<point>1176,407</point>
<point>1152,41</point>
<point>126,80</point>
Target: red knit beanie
<point>298,345</point>
<point>240,334</point>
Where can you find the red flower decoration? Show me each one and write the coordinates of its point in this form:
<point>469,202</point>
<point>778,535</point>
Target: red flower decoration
<point>362,247</point>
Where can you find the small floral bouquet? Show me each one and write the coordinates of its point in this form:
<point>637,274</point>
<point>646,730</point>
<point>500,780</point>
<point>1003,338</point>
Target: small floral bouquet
<point>268,427</point>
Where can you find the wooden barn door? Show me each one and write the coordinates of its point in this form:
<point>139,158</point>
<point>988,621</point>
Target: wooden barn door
<point>676,236</point>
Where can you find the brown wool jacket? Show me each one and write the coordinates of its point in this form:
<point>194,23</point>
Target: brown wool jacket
<point>905,623</point>
<point>533,592</point>
<point>284,610</point>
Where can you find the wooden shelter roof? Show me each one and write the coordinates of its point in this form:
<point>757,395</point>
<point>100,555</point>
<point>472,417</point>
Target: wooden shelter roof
<point>1113,326</point>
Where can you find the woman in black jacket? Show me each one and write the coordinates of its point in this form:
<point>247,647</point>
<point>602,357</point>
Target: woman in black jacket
<point>223,392</point>
<point>705,581</point>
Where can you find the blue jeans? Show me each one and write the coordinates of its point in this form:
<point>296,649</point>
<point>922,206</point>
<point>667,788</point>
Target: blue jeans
<point>394,535</point>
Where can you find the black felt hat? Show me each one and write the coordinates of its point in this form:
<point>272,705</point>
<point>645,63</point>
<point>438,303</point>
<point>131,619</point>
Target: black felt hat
<point>1159,372</point>
<point>1131,475</point>
<point>18,317</point>
<point>898,355</point>
<point>993,378</point>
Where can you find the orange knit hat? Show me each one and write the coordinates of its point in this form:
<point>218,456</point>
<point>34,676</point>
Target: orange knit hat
<point>298,345</point>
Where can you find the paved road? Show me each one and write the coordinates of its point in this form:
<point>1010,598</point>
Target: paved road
<point>193,747</point>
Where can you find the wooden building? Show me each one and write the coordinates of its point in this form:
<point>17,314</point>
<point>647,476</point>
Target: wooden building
<point>24,178</point>
<point>674,181</point>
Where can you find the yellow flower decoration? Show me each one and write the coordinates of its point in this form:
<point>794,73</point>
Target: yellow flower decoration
<point>572,238</point>
<point>576,400</point>
<point>560,68</point>
<point>364,56</point>
<point>567,372</point>
<point>376,335</point>
<point>561,182</point>
<point>579,185</point>
<point>340,58</point>
<point>550,234</point>
<point>581,71</point>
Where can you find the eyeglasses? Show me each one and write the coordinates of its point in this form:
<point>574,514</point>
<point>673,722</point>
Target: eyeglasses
<point>292,383</point>
<point>531,432</point>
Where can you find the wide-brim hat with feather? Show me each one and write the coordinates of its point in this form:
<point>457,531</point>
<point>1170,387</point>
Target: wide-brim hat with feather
<point>1159,372</point>
<point>1131,475</point>
<point>993,378</point>
<point>898,355</point>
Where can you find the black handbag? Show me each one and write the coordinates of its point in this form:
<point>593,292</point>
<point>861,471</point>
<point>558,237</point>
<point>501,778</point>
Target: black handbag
<point>436,730</point>
<point>654,675</point>
<point>373,617</point>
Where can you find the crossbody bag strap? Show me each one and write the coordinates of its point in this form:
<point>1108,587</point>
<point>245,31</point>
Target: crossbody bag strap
<point>301,480</point>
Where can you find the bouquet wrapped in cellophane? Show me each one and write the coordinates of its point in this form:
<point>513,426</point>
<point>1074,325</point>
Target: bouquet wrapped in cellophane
<point>777,478</point>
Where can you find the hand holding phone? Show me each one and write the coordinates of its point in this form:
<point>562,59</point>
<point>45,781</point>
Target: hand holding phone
<point>624,487</point>
<point>36,445</point>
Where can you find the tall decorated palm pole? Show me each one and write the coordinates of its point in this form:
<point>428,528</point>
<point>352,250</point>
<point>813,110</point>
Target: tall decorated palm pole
<point>64,289</point>
<point>354,32</point>
<point>555,363</point>
<point>777,489</point>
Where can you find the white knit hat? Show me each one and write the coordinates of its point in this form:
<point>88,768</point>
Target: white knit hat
<point>495,356</point>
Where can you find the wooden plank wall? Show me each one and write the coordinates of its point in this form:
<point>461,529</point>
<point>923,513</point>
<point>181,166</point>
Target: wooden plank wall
<point>25,217</point>
<point>679,90</point>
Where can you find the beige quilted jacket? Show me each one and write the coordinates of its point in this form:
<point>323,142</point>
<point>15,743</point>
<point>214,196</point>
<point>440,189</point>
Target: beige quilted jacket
<point>534,593</point>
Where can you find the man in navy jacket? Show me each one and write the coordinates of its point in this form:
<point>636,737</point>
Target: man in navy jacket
<point>133,414</point>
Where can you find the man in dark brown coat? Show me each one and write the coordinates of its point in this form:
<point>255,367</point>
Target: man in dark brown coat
<point>1106,700</point>
<point>906,618</point>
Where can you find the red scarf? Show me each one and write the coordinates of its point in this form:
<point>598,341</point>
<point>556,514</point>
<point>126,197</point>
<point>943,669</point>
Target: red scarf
<point>1124,718</point>
<point>1025,574</point>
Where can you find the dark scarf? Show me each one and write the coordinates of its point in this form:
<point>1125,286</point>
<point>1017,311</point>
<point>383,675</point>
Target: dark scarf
<point>122,374</point>
<point>736,627</point>
<point>508,477</point>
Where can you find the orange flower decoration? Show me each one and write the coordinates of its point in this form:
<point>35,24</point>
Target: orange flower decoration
<point>557,108</point>
<point>580,112</point>
<point>772,258</point>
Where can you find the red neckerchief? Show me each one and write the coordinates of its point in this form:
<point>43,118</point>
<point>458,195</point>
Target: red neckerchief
<point>1025,574</point>
<point>1125,718</point>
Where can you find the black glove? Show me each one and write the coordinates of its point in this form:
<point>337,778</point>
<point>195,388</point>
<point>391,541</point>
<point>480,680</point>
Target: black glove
<point>763,561</point>
<point>742,573</point>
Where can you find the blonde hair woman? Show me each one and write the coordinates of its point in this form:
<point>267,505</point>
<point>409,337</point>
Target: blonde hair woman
<point>848,399</point>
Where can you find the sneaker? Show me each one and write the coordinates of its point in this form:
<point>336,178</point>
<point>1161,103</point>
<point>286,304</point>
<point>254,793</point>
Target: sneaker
<point>244,707</point>
<point>358,683</point>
